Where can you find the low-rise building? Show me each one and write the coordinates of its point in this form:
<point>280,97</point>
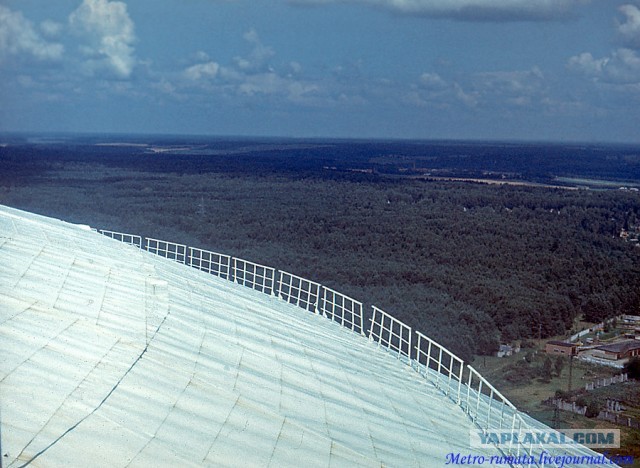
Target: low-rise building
<point>617,351</point>
<point>561,347</point>
<point>504,350</point>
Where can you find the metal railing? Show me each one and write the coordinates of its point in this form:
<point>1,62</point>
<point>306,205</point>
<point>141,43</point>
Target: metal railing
<point>213,263</point>
<point>439,365</point>
<point>170,250</point>
<point>130,239</point>
<point>390,333</point>
<point>491,411</point>
<point>484,404</point>
<point>342,309</point>
<point>299,291</point>
<point>253,275</point>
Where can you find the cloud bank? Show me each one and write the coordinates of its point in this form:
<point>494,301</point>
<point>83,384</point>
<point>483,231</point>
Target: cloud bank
<point>471,10</point>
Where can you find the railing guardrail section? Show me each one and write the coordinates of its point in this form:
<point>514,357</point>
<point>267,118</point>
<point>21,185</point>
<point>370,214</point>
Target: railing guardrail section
<point>170,250</point>
<point>342,309</point>
<point>299,291</point>
<point>130,239</point>
<point>391,333</point>
<point>449,368</point>
<point>486,405</point>
<point>253,275</point>
<point>212,262</point>
<point>490,410</point>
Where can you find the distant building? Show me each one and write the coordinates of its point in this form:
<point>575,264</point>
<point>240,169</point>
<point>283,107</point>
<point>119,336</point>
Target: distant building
<point>561,347</point>
<point>505,350</point>
<point>630,321</point>
<point>617,351</point>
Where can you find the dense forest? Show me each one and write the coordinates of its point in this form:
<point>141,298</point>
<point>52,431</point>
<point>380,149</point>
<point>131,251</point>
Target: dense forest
<point>471,265</point>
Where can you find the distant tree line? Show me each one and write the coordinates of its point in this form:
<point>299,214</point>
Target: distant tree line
<point>469,265</point>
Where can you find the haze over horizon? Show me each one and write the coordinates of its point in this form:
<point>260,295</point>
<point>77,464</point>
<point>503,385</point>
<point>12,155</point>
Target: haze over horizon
<point>538,70</point>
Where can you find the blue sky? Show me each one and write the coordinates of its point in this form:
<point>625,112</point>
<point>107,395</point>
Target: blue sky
<point>556,70</point>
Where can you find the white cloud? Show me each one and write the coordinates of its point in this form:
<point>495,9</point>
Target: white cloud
<point>259,56</point>
<point>272,84</point>
<point>251,77</point>
<point>621,67</point>
<point>202,70</point>
<point>587,64</point>
<point>495,89</point>
<point>629,29</point>
<point>514,83</point>
<point>468,99</point>
<point>432,81</point>
<point>295,67</point>
<point>51,28</point>
<point>473,10</point>
<point>110,31</point>
<point>19,37</point>
<point>620,70</point>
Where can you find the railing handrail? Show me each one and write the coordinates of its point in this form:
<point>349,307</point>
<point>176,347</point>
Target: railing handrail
<point>123,236</point>
<point>166,242</point>
<point>193,249</point>
<point>402,326</point>
<point>309,295</point>
<point>452,357</point>
<point>343,295</point>
<point>496,391</point>
<point>326,291</point>
<point>299,278</point>
<point>249,262</point>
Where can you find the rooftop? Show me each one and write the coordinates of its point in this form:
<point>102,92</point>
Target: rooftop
<point>113,356</point>
<point>621,346</point>
<point>562,343</point>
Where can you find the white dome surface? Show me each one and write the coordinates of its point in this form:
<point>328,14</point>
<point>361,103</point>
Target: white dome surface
<point>112,356</point>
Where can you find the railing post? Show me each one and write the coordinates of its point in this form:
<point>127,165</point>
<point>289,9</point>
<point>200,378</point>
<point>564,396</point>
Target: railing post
<point>234,268</point>
<point>429,358</point>
<point>323,301</point>
<point>469,392</point>
<point>316,304</point>
<point>450,374</point>
<point>513,428</point>
<point>279,294</point>
<point>478,399</point>
<point>460,381</point>
<point>418,352</point>
<point>489,409</point>
<point>373,320</point>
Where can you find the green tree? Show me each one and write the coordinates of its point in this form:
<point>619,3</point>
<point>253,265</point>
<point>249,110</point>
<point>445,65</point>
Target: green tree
<point>593,409</point>
<point>632,368</point>
<point>559,365</point>
<point>546,370</point>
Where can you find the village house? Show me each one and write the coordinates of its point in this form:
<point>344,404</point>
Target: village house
<point>561,347</point>
<point>504,350</point>
<point>617,351</point>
